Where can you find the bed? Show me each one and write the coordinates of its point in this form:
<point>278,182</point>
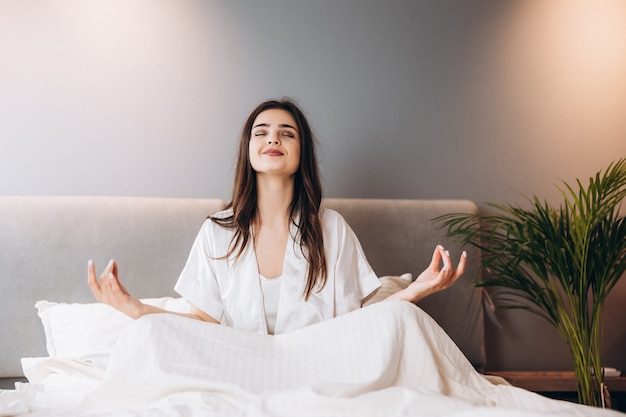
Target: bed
<point>63,354</point>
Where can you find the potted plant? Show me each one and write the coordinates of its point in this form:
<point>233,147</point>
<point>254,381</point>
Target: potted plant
<point>557,262</point>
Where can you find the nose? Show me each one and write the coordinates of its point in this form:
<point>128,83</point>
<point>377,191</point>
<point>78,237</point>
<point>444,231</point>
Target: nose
<point>273,138</point>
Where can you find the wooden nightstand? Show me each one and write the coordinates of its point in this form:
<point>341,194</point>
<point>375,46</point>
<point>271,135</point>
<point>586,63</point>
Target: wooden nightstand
<point>562,385</point>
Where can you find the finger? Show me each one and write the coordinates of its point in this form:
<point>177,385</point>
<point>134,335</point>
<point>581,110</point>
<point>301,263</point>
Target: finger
<point>117,289</point>
<point>91,272</point>
<point>460,269</point>
<point>114,284</point>
<point>108,269</point>
<point>109,292</point>
<point>436,259</point>
<point>92,280</point>
<point>114,268</point>
<point>447,260</point>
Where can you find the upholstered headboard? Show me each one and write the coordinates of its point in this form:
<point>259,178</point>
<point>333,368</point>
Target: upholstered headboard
<point>45,243</point>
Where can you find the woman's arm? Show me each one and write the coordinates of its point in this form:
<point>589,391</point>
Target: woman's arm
<point>434,278</point>
<point>109,290</point>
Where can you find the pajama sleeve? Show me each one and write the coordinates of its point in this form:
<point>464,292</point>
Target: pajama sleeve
<point>198,282</point>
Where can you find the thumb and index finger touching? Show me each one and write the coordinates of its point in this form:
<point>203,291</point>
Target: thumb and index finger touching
<point>442,256</point>
<point>110,272</point>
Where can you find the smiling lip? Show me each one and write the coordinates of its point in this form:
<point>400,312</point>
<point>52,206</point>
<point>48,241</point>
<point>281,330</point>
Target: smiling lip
<point>273,152</point>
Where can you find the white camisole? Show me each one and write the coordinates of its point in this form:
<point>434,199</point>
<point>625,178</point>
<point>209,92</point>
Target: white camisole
<point>271,295</point>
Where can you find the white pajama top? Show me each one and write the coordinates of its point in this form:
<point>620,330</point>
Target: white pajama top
<point>230,291</point>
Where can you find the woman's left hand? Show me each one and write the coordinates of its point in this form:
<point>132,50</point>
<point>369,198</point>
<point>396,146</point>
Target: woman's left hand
<point>435,278</point>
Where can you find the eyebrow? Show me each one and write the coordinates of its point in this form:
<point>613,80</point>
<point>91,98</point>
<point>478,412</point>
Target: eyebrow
<point>280,125</point>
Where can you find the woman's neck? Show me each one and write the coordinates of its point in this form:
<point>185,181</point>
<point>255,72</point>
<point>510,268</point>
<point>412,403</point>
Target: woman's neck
<point>274,199</point>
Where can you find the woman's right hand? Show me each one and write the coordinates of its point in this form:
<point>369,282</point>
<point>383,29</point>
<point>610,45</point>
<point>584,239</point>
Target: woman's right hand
<point>109,290</point>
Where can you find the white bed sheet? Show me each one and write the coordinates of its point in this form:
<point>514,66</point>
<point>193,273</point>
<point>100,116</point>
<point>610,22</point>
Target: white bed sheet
<point>387,359</point>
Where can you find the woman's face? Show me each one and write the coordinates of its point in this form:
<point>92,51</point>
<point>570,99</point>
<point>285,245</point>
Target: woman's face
<point>275,143</point>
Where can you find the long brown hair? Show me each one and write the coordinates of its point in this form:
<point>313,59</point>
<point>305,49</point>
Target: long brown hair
<point>307,196</point>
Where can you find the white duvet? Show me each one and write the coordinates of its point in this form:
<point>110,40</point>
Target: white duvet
<point>387,359</point>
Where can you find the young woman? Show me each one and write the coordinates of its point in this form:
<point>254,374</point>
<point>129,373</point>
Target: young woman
<point>274,260</point>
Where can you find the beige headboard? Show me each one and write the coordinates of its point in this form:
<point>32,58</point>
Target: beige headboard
<point>45,243</point>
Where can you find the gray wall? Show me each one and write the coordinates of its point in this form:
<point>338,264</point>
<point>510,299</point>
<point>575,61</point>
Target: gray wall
<point>486,100</point>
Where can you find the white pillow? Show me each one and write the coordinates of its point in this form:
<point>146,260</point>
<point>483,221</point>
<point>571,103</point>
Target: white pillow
<point>88,332</point>
<point>390,284</point>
